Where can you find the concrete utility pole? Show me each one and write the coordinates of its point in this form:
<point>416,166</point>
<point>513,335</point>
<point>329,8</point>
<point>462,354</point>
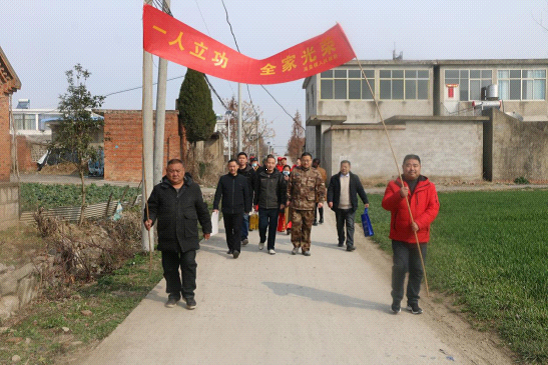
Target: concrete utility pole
<point>239,118</point>
<point>147,141</point>
<point>159,129</point>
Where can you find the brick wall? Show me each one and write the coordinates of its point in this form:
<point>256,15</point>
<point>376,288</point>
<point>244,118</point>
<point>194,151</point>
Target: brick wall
<point>123,143</point>
<point>5,138</point>
<point>24,155</point>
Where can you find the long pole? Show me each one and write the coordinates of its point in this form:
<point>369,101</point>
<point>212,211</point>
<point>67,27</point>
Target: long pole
<point>159,128</point>
<point>397,167</point>
<point>239,118</point>
<point>147,139</point>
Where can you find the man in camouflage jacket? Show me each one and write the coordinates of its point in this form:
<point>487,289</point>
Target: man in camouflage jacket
<point>305,189</point>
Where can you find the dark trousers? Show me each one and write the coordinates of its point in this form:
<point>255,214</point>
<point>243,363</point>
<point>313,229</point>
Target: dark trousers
<point>268,218</point>
<point>345,217</point>
<point>407,259</point>
<point>245,226</point>
<point>316,213</point>
<point>233,226</point>
<point>184,283</point>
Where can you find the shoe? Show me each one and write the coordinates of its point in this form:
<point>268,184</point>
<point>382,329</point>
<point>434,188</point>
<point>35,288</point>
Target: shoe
<point>245,242</point>
<point>350,248</point>
<point>315,223</point>
<point>414,308</point>
<point>171,302</point>
<point>396,307</point>
<point>295,251</point>
<point>321,221</point>
<point>190,303</point>
<point>261,245</point>
<point>340,245</point>
<point>271,251</point>
<point>229,252</point>
<point>306,253</point>
<point>235,254</point>
<point>288,231</point>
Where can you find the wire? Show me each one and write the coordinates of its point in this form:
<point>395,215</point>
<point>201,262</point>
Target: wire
<point>281,106</point>
<point>215,92</point>
<point>140,87</point>
<point>202,15</point>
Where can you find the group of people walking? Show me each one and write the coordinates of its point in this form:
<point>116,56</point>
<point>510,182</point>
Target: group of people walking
<point>177,205</point>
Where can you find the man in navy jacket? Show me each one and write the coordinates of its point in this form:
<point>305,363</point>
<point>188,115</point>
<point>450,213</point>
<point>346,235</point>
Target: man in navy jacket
<point>342,199</point>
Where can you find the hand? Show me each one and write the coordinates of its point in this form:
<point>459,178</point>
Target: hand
<point>148,224</point>
<point>414,227</point>
<point>330,204</point>
<point>215,210</point>
<point>320,205</point>
<point>404,192</point>
<point>287,203</point>
<point>207,235</point>
<point>282,207</point>
<point>366,205</point>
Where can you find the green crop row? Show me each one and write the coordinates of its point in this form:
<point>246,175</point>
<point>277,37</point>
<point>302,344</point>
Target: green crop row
<point>35,195</point>
<point>490,249</point>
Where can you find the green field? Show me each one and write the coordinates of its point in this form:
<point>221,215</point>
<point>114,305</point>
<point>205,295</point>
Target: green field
<point>490,249</point>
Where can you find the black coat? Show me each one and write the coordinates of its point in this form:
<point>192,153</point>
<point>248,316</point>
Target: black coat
<point>234,191</point>
<point>270,190</point>
<point>178,214</point>
<point>355,188</point>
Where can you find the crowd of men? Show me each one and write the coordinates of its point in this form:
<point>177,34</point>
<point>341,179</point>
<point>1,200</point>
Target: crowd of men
<point>271,188</point>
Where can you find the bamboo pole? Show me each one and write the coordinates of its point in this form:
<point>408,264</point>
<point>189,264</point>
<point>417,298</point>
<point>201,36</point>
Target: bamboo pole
<point>397,167</point>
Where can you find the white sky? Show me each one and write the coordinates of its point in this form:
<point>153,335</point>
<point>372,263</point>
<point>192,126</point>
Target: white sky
<point>44,38</point>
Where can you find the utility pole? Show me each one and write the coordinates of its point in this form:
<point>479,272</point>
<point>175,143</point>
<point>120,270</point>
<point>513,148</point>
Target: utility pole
<point>147,141</point>
<point>239,117</point>
<point>159,129</point>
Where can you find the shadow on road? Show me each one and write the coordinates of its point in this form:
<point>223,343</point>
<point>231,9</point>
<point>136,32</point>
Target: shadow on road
<point>283,289</point>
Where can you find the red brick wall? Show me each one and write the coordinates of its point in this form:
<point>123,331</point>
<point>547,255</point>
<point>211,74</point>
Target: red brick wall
<point>123,149</point>
<point>24,155</point>
<point>5,138</point>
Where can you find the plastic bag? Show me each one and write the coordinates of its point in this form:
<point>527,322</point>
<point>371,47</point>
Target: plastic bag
<point>366,223</point>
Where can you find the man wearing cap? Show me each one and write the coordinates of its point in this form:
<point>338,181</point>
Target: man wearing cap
<point>281,163</point>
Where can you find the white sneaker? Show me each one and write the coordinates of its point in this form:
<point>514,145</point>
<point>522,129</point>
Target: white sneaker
<point>295,251</point>
<point>272,252</point>
<point>261,245</point>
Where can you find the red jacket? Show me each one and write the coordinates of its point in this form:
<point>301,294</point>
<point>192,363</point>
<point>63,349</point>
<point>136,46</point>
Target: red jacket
<point>424,207</point>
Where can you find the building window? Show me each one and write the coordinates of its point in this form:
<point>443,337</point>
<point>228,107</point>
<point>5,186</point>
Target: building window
<point>470,82</point>
<point>25,121</point>
<point>522,84</point>
<point>346,84</point>
<point>404,84</point>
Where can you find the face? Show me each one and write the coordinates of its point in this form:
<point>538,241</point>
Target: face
<point>232,168</point>
<point>175,173</point>
<point>242,161</point>
<point>270,164</point>
<point>345,168</point>
<point>298,162</point>
<point>315,164</point>
<point>411,169</point>
<point>306,161</point>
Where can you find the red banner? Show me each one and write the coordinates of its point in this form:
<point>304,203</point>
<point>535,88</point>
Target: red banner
<point>172,40</point>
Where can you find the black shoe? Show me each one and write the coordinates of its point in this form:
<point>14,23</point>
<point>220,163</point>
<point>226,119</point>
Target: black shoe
<point>414,308</point>
<point>235,254</point>
<point>171,302</point>
<point>340,245</point>
<point>315,223</point>
<point>321,221</point>
<point>350,248</point>
<point>190,303</point>
<point>396,307</point>
<point>230,252</point>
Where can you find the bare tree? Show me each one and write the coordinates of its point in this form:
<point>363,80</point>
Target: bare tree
<point>295,145</point>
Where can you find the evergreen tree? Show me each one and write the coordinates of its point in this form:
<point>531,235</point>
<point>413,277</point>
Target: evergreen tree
<point>196,107</point>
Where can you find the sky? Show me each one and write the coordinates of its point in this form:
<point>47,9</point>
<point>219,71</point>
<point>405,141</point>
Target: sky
<point>44,38</point>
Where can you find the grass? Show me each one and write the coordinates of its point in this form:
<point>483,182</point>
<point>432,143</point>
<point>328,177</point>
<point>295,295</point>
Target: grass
<point>489,249</point>
<point>109,300</point>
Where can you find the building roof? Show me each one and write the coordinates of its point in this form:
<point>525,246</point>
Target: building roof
<point>9,81</point>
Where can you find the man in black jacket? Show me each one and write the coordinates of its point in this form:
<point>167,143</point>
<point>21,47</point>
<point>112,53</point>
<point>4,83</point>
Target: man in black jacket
<point>177,204</point>
<point>233,189</point>
<point>342,198</point>
<point>270,197</point>
<point>247,171</point>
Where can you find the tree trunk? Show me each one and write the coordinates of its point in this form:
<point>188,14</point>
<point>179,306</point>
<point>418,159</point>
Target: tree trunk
<point>83,206</point>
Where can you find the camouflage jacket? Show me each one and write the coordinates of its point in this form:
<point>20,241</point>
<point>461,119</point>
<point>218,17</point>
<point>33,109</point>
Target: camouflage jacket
<point>305,188</point>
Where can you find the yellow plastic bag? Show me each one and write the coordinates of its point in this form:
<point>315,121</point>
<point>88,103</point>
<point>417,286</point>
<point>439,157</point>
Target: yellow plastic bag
<point>254,221</point>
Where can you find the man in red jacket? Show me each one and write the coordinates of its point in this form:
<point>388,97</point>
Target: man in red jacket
<point>423,200</point>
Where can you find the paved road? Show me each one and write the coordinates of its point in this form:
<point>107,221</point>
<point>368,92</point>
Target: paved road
<point>330,308</point>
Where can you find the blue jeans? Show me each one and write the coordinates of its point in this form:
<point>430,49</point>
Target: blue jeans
<point>407,259</point>
<point>345,217</point>
<point>268,218</point>
<point>245,227</point>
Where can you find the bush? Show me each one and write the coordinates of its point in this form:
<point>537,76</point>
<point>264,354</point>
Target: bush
<point>521,180</point>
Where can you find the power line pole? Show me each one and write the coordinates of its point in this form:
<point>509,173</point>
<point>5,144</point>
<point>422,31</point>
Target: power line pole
<point>239,117</point>
<point>159,129</point>
<point>147,141</point>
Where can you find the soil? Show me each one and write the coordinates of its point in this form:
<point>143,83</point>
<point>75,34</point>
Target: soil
<point>65,168</point>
